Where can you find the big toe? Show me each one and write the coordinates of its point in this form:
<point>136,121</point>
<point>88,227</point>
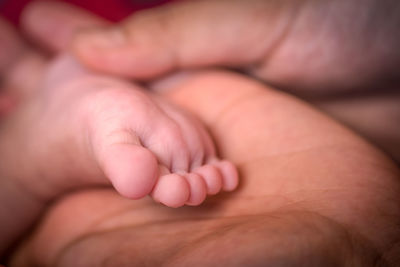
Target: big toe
<point>132,169</point>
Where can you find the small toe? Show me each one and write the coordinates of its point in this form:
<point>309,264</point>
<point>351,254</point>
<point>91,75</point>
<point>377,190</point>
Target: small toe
<point>211,176</point>
<point>230,177</point>
<point>198,189</point>
<point>172,190</point>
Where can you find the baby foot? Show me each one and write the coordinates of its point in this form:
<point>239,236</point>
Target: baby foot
<point>141,143</point>
<point>144,145</point>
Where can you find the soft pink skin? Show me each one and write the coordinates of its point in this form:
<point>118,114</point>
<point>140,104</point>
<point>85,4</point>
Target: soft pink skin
<point>90,130</point>
<point>101,129</point>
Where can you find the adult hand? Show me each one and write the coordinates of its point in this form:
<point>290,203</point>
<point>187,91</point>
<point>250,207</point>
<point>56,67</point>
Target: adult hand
<point>312,194</point>
<point>303,46</point>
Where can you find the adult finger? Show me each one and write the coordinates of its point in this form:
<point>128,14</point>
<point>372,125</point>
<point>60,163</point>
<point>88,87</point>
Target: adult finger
<point>187,34</point>
<point>52,24</point>
<point>303,46</point>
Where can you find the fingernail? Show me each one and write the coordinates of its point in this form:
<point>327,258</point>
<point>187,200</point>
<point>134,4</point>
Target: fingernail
<point>102,39</point>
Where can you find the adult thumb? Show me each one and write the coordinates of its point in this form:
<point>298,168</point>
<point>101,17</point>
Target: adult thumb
<point>187,34</point>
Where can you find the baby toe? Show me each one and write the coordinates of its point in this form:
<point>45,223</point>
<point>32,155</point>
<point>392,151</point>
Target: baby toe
<point>198,189</point>
<point>212,178</point>
<point>172,190</point>
<point>229,173</point>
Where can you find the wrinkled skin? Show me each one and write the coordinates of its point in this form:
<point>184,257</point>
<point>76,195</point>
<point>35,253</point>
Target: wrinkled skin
<point>312,194</point>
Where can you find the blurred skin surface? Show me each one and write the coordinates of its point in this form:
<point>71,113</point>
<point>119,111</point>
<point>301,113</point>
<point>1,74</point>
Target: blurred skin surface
<point>312,194</point>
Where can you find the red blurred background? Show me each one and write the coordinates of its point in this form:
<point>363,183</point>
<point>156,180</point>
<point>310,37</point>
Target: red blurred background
<point>113,10</point>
